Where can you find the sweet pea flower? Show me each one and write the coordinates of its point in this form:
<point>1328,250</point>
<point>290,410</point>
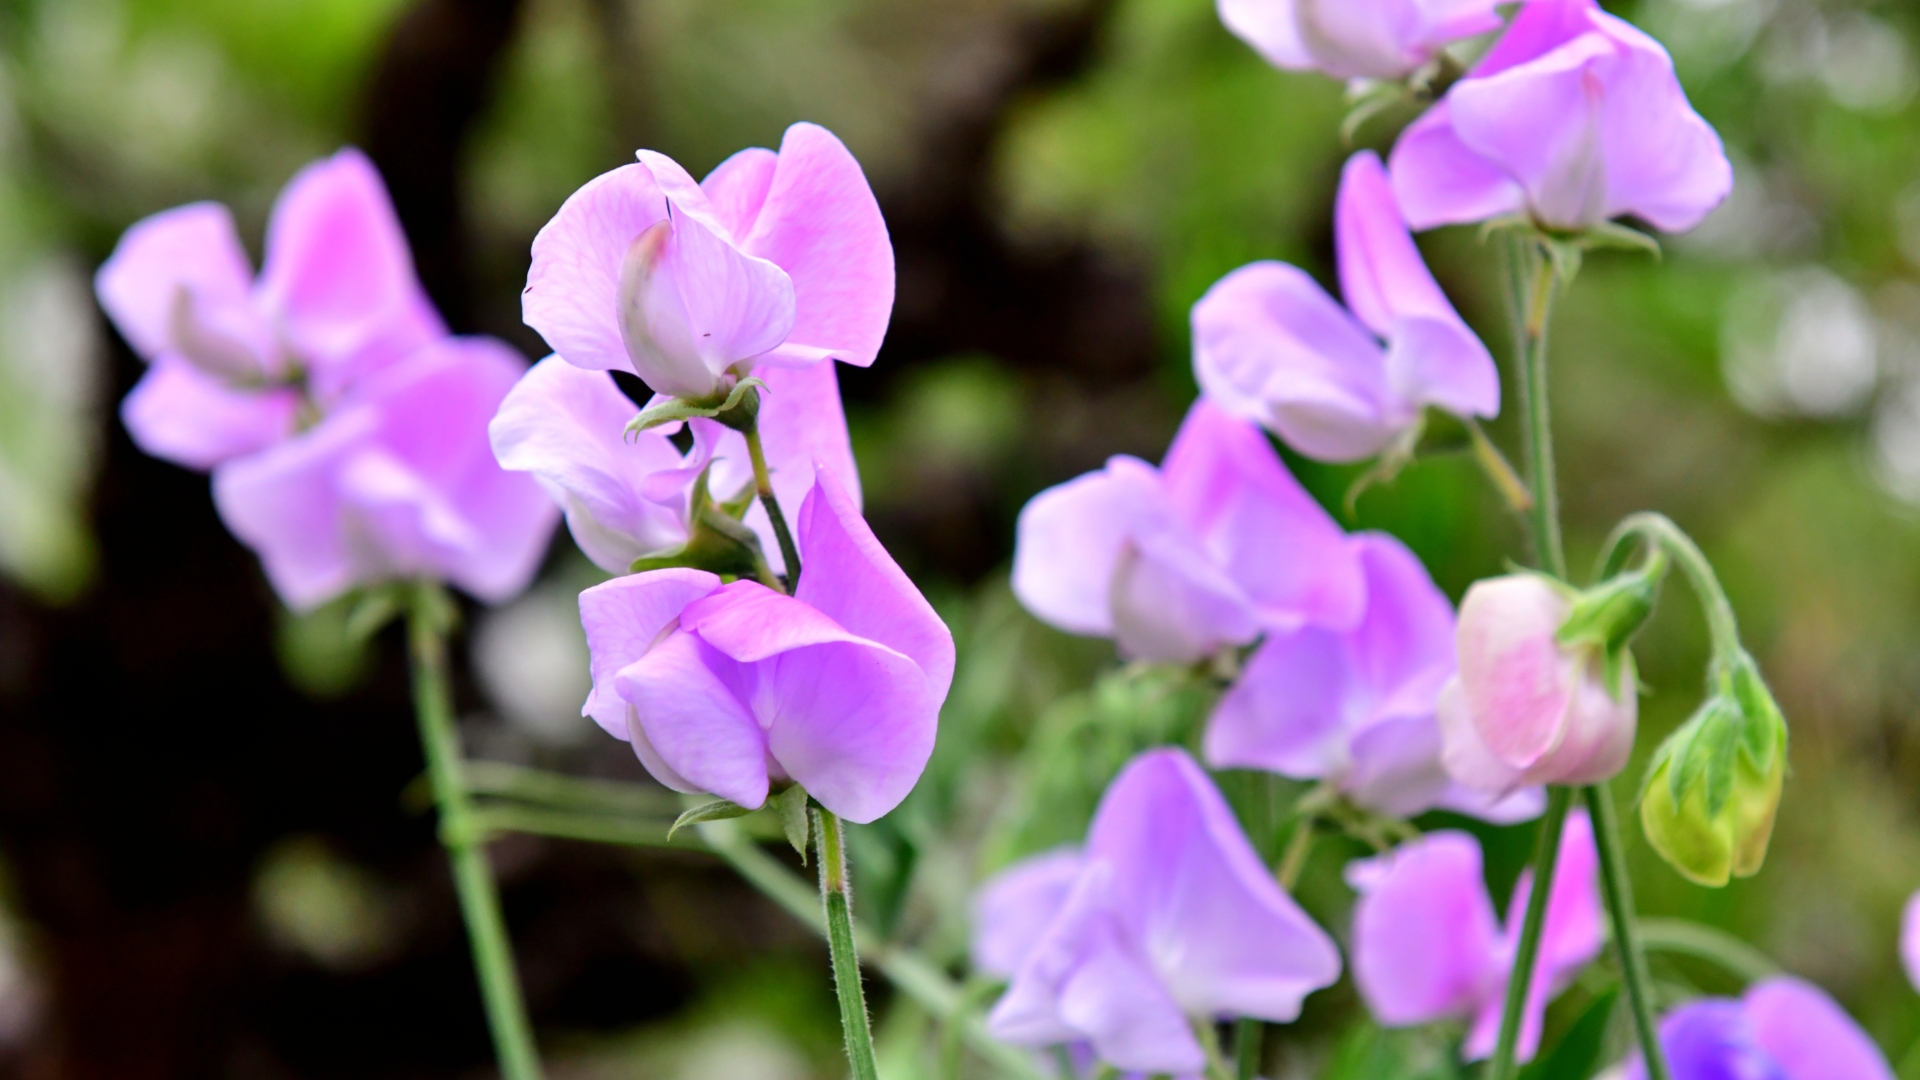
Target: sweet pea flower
<point>1427,946</point>
<point>1356,707</point>
<point>1781,1029</point>
<point>1173,563</point>
<point>1166,916</point>
<point>1574,117</point>
<point>1526,708</point>
<point>1271,346</point>
<point>627,498</point>
<point>1352,39</point>
<point>233,359</point>
<point>396,482</point>
<point>774,259</point>
<point>726,688</point>
<point>1910,939</point>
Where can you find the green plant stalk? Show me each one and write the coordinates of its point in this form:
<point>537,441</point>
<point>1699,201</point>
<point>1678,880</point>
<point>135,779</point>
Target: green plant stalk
<point>837,894</point>
<point>763,486</point>
<point>465,843</point>
<point>1729,953</point>
<point>1658,531</point>
<point>1618,887</point>
<point>1546,853</point>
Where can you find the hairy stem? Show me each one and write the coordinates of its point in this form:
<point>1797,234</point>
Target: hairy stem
<point>465,841</point>
<point>837,894</point>
<point>1546,854</point>
<point>1658,531</point>
<point>763,485</point>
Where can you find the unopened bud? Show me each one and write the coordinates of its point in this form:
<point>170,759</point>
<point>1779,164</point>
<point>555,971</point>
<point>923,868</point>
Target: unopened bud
<point>1714,785</point>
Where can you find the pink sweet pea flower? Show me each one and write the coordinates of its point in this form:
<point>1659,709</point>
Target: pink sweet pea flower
<point>627,498</point>
<point>396,482</point>
<point>1173,563</point>
<point>1270,345</point>
<point>1168,916</point>
<point>724,688</point>
<point>1910,939</point>
<point>1427,946</point>
<point>1575,117</point>
<point>1356,707</point>
<point>775,259</point>
<point>1782,1029</point>
<point>1350,39</point>
<point>234,358</point>
<point>1525,708</point>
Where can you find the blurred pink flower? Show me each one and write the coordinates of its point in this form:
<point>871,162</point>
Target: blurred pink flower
<point>1348,39</point>
<point>1781,1029</point>
<point>775,259</point>
<point>724,688</point>
<point>1525,708</point>
<point>232,358</point>
<point>1574,117</point>
<point>1217,544</point>
<point>1427,945</point>
<point>1168,914</point>
<point>1356,707</point>
<point>1270,345</point>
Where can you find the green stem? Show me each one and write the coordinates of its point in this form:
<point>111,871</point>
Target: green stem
<point>465,842</point>
<point>1209,1038</point>
<point>1248,1036</point>
<point>1519,498</point>
<point>763,485</point>
<point>1618,887</point>
<point>562,792</point>
<point>590,828</point>
<point>1660,532</point>
<point>1546,854</point>
<point>1533,282</point>
<point>837,893</point>
<point>1715,946</point>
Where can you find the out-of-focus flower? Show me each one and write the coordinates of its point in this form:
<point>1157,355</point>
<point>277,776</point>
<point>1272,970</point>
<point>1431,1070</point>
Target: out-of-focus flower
<point>233,359</point>
<point>396,482</point>
<point>1526,707</point>
<point>775,259</point>
<point>1270,345</point>
<point>1574,117</point>
<point>1781,1029</point>
<point>1714,785</point>
<point>1427,945</point>
<point>626,497</point>
<point>1167,916</point>
<point>1349,39</point>
<point>724,688</point>
<point>1217,544</point>
<point>1357,707</point>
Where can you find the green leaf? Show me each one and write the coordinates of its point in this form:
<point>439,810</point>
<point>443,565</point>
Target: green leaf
<point>717,810</point>
<point>1577,1056</point>
<point>791,805</point>
<point>674,410</point>
<point>1612,234</point>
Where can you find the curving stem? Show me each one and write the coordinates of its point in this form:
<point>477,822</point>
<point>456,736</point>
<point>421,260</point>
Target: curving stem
<point>837,894</point>
<point>1659,532</point>
<point>465,838</point>
<point>763,486</point>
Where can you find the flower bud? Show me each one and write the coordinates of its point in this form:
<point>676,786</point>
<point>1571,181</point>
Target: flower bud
<point>1528,706</point>
<point>1714,785</point>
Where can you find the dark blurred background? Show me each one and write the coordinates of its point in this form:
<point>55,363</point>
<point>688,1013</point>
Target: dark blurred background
<point>207,868</point>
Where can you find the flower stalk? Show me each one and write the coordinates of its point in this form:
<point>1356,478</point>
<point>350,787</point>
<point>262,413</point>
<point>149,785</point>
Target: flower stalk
<point>763,485</point>
<point>464,835</point>
<point>836,893</point>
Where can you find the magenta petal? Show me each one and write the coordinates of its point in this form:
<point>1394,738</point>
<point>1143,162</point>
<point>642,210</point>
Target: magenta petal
<point>737,188</point>
<point>623,618</point>
<point>1424,936</point>
<point>1222,935</point>
<point>339,276</point>
<point>179,414</point>
<point>1271,346</point>
<point>1382,276</point>
<point>1438,180</point>
<point>685,696</point>
<point>1286,712</point>
<point>1910,939</point>
<point>1403,646</point>
<point>1015,907</point>
<point>1259,524</point>
<point>1541,121</point>
<point>566,426</point>
<point>193,246</point>
<point>821,224</point>
<point>847,576</point>
<point>1069,541</point>
<point>573,287</point>
<point>1809,1034</point>
<point>1115,1001</point>
<point>1439,361</point>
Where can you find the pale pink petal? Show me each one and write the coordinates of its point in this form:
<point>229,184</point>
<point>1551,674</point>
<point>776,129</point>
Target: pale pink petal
<point>685,695</point>
<point>1463,751</point>
<point>1271,27</point>
<point>194,247</point>
<point>1382,276</point>
<point>178,413</point>
<point>573,286</point>
<point>1518,682</point>
<point>1808,1033</point>
<point>737,189</point>
<point>1069,540</point>
<point>1664,162</point>
<point>1015,906</point>
<point>1425,941</point>
<point>1438,180</point>
<point>623,618</point>
<point>1287,711</point>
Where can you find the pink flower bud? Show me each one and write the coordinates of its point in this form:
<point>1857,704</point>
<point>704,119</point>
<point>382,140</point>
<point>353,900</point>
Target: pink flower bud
<point>1526,708</point>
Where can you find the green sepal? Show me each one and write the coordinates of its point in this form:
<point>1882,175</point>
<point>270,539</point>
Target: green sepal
<point>717,810</point>
<point>737,410</point>
<point>1396,456</point>
<point>718,542</point>
<point>1566,249</point>
<point>791,804</point>
<point>1372,99</point>
<point>373,610</point>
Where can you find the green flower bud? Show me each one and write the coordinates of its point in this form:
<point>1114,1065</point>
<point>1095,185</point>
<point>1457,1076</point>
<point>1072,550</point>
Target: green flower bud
<point>1713,787</point>
<point>1608,615</point>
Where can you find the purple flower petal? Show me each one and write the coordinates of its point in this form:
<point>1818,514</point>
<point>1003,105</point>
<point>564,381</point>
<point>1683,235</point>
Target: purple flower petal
<point>803,432</point>
<point>1425,944</point>
<point>624,618</point>
<point>1287,711</point>
<point>1376,39</point>
<point>1069,541</point>
<point>194,247</point>
<point>1438,180</point>
<point>1811,1037</point>
<point>1015,907</point>
<point>178,413</point>
<point>573,287</point>
<point>737,188</point>
<point>1711,1039</point>
<point>687,698</point>
<point>1910,939</point>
